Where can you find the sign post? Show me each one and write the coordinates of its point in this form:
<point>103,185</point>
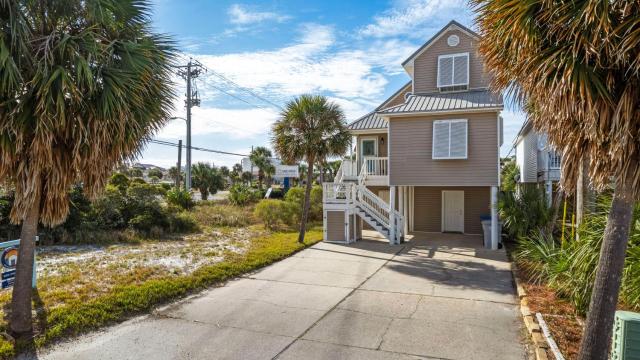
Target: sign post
<point>287,172</point>
<point>9,260</point>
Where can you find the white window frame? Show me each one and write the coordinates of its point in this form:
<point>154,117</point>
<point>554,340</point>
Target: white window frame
<point>453,68</point>
<point>433,140</point>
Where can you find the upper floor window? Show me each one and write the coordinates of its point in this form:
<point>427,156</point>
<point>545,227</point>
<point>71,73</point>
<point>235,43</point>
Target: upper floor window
<point>449,139</point>
<point>453,72</point>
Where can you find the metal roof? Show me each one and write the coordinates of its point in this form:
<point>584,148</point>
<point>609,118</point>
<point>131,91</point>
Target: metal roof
<point>369,122</point>
<point>435,102</point>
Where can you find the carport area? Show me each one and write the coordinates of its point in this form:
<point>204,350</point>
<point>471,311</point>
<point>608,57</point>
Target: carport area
<point>436,296</point>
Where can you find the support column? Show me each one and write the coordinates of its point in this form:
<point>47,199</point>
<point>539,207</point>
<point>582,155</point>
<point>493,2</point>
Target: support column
<point>392,220</point>
<point>405,210</point>
<point>412,190</point>
<point>495,236</point>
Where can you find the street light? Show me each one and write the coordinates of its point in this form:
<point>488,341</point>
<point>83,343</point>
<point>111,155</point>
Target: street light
<point>187,182</point>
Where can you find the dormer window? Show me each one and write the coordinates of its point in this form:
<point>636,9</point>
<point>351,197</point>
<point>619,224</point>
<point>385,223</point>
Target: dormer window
<point>453,72</point>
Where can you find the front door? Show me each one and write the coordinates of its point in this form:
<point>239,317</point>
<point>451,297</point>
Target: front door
<point>369,149</point>
<point>452,211</point>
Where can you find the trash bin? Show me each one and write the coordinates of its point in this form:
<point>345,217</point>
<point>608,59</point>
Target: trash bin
<point>486,230</point>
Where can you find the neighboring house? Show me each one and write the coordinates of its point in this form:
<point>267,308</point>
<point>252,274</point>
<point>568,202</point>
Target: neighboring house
<point>427,159</point>
<point>537,161</point>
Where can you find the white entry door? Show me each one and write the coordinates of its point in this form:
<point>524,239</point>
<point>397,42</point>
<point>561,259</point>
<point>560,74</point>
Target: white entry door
<point>452,211</point>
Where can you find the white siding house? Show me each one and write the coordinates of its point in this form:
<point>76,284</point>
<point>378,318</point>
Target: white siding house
<point>537,161</point>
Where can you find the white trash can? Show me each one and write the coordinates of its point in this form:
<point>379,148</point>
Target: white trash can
<point>486,230</point>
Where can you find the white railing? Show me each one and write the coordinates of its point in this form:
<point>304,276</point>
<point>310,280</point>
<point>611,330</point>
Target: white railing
<point>376,166</point>
<point>359,195</point>
<point>375,206</point>
<point>337,192</point>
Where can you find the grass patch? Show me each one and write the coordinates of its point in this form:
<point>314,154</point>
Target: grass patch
<point>209,214</point>
<point>137,296</point>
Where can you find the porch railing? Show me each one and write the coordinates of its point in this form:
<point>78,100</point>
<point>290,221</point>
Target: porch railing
<point>376,166</point>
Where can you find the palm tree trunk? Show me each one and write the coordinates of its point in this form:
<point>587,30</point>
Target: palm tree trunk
<point>21,325</point>
<point>307,202</point>
<point>596,340</point>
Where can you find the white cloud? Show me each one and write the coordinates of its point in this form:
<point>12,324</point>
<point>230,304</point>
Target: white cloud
<point>237,123</point>
<point>312,64</point>
<point>241,15</point>
<point>410,17</point>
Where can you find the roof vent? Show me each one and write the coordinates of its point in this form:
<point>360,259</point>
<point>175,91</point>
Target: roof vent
<point>407,94</point>
<point>453,40</point>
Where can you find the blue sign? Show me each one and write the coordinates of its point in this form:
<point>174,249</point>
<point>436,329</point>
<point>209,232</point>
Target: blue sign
<point>8,274</point>
<point>8,283</point>
<point>9,257</point>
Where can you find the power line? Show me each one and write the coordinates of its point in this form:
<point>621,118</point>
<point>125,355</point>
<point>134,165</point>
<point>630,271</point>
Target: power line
<point>254,94</point>
<point>168,143</point>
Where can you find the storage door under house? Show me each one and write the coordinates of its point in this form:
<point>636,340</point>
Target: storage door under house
<point>453,211</point>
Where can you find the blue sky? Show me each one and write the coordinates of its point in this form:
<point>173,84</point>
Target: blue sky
<point>350,51</point>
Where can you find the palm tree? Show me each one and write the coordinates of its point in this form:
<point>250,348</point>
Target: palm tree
<point>260,158</point>
<point>236,173</point>
<point>310,128</point>
<point>83,85</point>
<point>333,167</point>
<point>574,66</point>
<point>269,171</point>
<point>175,175</point>
<point>207,179</point>
<point>302,170</point>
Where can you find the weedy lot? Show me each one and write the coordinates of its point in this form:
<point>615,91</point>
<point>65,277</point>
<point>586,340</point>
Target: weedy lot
<point>84,287</point>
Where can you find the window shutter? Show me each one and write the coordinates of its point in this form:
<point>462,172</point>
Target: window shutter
<point>460,70</point>
<point>440,139</point>
<point>445,71</point>
<point>458,139</point>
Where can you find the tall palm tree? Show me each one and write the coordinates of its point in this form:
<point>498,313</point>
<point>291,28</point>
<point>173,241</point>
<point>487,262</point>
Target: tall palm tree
<point>207,179</point>
<point>260,158</point>
<point>575,65</point>
<point>83,85</point>
<point>310,129</point>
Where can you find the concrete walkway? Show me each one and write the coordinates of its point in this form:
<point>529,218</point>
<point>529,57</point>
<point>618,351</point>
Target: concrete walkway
<point>437,296</point>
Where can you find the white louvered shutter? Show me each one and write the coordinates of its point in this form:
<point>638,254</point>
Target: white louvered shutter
<point>440,139</point>
<point>445,71</point>
<point>461,70</point>
<point>458,139</point>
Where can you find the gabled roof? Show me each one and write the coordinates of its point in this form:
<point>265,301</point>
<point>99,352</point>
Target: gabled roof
<point>524,130</point>
<point>372,121</point>
<point>451,23</point>
<point>455,101</point>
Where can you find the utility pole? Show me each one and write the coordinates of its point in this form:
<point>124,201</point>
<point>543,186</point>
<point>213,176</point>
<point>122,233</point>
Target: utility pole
<point>179,164</point>
<point>190,71</point>
<point>251,162</point>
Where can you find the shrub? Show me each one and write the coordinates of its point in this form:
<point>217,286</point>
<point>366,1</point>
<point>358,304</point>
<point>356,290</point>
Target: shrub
<point>295,196</point>
<point>181,198</point>
<point>272,212</point>
<point>523,213</point>
<point>182,222</point>
<point>120,180</point>
<point>242,195</point>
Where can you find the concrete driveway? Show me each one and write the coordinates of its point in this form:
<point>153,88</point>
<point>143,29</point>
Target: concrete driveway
<point>437,296</point>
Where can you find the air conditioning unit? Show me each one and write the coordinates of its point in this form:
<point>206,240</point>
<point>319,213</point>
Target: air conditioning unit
<point>626,336</point>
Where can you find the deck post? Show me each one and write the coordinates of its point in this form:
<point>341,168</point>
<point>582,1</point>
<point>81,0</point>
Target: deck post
<point>495,236</point>
<point>392,220</point>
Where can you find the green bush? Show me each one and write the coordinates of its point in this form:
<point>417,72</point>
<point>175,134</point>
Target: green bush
<point>181,198</point>
<point>295,196</point>
<point>571,270</point>
<point>182,222</point>
<point>241,195</point>
<point>120,180</point>
<point>523,213</point>
<point>272,212</point>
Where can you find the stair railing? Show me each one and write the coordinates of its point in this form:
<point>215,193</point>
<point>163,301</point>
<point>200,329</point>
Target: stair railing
<point>374,205</point>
